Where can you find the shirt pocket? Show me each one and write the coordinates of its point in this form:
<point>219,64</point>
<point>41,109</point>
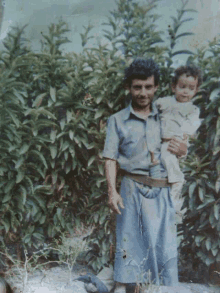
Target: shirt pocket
<point>129,142</point>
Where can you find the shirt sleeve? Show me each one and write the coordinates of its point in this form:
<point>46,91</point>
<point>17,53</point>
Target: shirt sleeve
<point>158,103</point>
<point>111,148</point>
<point>192,123</point>
<point>164,103</point>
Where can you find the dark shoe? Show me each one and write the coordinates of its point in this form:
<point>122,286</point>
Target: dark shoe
<point>132,288</point>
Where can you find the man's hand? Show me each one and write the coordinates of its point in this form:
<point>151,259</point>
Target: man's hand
<point>114,200</point>
<point>177,147</point>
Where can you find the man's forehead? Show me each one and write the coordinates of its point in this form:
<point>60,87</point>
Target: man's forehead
<point>141,81</point>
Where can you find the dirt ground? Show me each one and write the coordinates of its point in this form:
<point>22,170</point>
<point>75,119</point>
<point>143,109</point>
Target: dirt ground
<point>56,280</point>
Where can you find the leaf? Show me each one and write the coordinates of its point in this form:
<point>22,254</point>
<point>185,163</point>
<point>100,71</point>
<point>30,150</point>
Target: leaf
<point>38,101</point>
<point>216,211</point>
<point>208,244</point>
<point>71,134</point>
<point>19,96</point>
<point>207,202</point>
<point>42,219</point>
<point>99,99</point>
<point>99,113</point>
<point>214,94</point>
<point>215,251</point>
<point>182,52</point>
<point>98,182</point>
<point>19,176</point>
<point>19,163</point>
<point>65,145</point>
<point>212,220</point>
<point>53,93</point>
<point>217,184</point>
<point>40,156</point>
<point>101,169</point>
<point>69,116</point>
<point>24,149</point>
<point>62,124</point>
<point>9,185</point>
<point>91,160</point>
<point>6,224</point>
<point>38,236</point>
<point>201,193</point>
<point>54,177</point>
<point>53,135</point>
<point>184,35</point>
<point>192,188</point>
<point>23,194</point>
<point>14,118</point>
<point>189,10</point>
<point>38,76</point>
<point>7,197</point>
<point>45,112</point>
<point>41,202</point>
<point>53,151</point>
<point>30,184</point>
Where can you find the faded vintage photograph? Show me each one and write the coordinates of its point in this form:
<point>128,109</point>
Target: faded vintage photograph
<point>110,146</point>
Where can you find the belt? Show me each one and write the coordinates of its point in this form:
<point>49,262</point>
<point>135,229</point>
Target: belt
<point>153,182</point>
<point>166,139</point>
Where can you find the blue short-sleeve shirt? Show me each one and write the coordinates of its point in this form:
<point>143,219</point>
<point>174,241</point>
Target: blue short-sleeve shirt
<point>130,138</point>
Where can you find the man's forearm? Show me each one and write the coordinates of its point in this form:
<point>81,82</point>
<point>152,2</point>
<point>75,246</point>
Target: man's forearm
<point>111,172</point>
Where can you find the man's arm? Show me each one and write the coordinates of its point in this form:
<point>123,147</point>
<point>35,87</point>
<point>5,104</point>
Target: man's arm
<point>177,147</point>
<point>114,199</point>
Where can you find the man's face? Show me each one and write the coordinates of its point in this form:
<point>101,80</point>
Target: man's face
<point>142,92</point>
<point>186,88</point>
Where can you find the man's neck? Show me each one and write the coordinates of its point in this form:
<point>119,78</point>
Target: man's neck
<point>143,112</point>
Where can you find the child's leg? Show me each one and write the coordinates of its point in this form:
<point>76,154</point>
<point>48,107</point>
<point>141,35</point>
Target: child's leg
<point>154,170</point>
<point>153,160</point>
<point>171,164</point>
<point>177,198</point>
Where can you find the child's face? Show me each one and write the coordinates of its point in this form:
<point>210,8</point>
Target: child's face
<point>186,88</point>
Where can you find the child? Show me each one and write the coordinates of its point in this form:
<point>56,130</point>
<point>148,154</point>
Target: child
<point>179,118</point>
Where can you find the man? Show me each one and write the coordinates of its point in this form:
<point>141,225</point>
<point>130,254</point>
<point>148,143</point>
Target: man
<point>145,230</point>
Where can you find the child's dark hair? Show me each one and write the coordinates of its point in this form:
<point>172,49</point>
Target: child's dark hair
<point>142,68</point>
<point>189,70</point>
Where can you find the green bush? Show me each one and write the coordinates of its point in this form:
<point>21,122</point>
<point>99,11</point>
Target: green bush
<point>201,226</point>
<point>54,109</point>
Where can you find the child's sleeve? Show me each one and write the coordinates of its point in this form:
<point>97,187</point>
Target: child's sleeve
<point>159,103</point>
<point>192,123</point>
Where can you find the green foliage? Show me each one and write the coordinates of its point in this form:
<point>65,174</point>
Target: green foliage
<point>53,110</point>
<point>38,147</point>
<point>201,226</point>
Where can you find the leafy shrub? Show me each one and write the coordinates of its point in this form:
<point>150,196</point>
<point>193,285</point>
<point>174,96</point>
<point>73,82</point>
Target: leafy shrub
<point>54,109</point>
<point>201,226</point>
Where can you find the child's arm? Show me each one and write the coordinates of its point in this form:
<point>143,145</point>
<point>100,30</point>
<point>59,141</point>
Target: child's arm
<point>192,123</point>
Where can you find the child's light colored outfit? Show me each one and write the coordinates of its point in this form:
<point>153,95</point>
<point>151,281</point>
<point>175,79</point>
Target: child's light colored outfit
<point>177,119</point>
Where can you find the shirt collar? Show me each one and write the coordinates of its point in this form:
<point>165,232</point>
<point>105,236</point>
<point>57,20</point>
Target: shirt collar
<point>130,111</point>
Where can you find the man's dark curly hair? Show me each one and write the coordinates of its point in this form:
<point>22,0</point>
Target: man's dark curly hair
<point>189,70</point>
<point>142,68</point>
